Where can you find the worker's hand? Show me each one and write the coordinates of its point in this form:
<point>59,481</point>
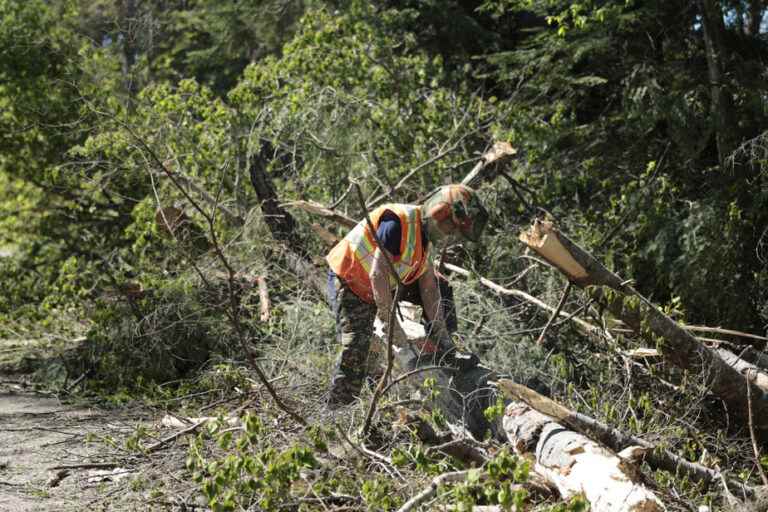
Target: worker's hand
<point>445,353</point>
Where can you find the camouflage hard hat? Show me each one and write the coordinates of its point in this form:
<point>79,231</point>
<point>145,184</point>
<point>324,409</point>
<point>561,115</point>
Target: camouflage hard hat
<point>461,205</point>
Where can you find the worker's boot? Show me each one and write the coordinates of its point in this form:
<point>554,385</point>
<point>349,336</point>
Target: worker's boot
<point>343,391</point>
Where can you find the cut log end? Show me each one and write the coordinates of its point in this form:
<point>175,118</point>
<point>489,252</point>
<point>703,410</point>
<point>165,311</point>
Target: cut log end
<point>542,238</point>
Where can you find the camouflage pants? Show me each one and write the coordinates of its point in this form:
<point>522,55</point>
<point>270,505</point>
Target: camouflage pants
<point>354,330</point>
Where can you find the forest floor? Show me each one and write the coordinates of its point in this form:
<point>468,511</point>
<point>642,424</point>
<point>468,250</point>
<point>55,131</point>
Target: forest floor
<point>60,456</point>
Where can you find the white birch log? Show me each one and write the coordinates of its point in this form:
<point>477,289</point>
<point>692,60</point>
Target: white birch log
<point>742,366</point>
<point>575,464</point>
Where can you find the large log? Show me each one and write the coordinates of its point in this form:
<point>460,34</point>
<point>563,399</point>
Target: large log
<point>760,379</point>
<point>575,464</point>
<point>677,346</point>
<point>656,456</point>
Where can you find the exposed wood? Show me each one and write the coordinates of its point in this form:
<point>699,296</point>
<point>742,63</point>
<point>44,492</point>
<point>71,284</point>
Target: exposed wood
<point>575,464</point>
<point>657,457</point>
<point>264,304</point>
<point>326,236</point>
<point>483,170</point>
<point>677,346</point>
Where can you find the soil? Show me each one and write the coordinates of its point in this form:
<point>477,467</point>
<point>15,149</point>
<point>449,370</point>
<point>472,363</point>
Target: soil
<point>59,456</point>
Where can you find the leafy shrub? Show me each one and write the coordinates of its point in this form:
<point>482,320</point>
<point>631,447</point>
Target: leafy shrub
<point>159,337</point>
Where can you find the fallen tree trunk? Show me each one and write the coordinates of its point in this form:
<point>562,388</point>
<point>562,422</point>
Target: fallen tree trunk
<point>760,379</point>
<point>759,359</point>
<point>676,345</point>
<point>575,464</point>
<point>657,457</point>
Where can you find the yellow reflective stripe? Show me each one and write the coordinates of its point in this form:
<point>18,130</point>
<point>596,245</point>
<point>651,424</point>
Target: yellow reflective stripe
<point>410,240</point>
<point>364,249</point>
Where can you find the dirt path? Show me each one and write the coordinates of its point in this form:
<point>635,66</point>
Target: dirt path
<point>39,434</point>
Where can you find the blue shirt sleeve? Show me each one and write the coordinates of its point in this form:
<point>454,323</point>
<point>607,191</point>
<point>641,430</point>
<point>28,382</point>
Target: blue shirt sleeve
<point>389,233</point>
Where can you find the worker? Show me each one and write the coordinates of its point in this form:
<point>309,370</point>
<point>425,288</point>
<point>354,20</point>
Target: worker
<point>361,285</point>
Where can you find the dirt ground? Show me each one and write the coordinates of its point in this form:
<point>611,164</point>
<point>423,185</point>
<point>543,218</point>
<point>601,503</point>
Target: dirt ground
<point>58,456</point>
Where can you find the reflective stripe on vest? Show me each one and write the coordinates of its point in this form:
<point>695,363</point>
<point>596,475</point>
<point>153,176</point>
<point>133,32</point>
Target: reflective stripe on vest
<point>352,258</point>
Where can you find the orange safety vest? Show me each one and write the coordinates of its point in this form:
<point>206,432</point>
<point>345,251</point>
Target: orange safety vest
<point>352,258</point>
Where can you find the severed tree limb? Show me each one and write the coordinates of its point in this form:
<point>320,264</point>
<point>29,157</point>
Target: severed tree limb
<point>656,457</point>
<point>583,325</point>
<point>758,378</point>
<point>728,332</point>
<point>759,359</point>
<point>678,347</point>
<point>264,304</point>
<point>499,152</point>
<point>318,209</point>
<point>189,430</point>
<point>431,491</point>
<point>577,465</point>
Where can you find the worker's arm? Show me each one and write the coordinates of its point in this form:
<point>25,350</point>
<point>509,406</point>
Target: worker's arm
<point>382,295</point>
<point>430,298</point>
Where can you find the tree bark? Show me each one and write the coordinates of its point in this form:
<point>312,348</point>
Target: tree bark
<point>742,366</point>
<point>575,464</point>
<point>676,345</point>
<point>755,17</point>
<point>759,359</point>
<point>721,100</point>
<point>657,457</point>
<point>281,224</point>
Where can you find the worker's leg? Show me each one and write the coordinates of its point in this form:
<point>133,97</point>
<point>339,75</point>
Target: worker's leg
<point>354,328</point>
<point>447,304</point>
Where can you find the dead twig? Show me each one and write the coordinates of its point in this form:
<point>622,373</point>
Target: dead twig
<point>85,465</point>
<point>750,374</point>
<point>555,314</point>
<point>431,491</point>
<point>156,446</point>
<point>411,373</point>
<point>264,303</point>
